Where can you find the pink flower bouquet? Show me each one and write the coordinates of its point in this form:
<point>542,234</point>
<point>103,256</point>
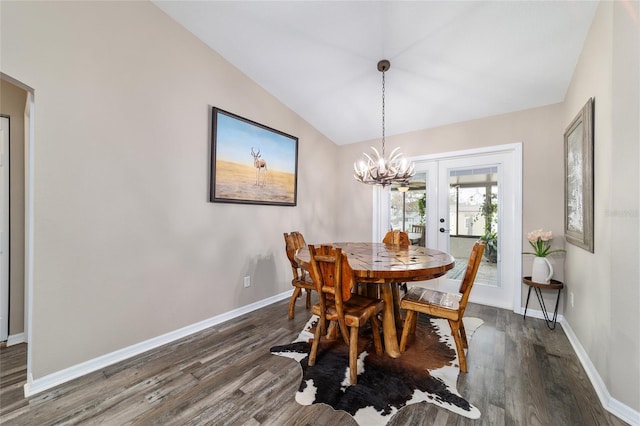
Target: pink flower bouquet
<point>540,241</point>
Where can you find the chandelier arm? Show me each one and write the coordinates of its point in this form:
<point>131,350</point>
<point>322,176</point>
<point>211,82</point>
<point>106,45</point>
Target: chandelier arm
<point>378,156</point>
<point>369,158</point>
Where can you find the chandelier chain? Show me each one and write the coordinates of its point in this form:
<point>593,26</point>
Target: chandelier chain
<point>383,113</point>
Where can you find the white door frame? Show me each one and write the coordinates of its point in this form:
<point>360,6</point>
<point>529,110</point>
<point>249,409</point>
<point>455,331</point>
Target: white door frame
<point>29,164</point>
<point>4,228</point>
<point>514,242</point>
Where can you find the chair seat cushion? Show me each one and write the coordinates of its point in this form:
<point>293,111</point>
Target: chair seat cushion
<point>432,302</point>
<point>357,310</point>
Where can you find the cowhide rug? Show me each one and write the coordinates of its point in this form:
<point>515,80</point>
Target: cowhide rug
<point>427,371</point>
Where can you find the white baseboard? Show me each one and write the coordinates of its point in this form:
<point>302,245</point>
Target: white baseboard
<point>15,339</point>
<point>41,384</point>
<point>534,313</point>
<point>610,404</point>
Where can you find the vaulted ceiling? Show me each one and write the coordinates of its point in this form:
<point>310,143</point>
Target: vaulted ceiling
<point>451,61</point>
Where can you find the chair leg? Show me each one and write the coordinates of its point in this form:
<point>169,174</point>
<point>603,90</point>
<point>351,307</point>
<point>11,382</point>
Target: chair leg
<point>408,325</point>
<point>314,345</point>
<point>463,334</point>
<point>292,301</point>
<point>375,329</point>
<point>455,330</point>
<point>344,330</point>
<point>353,356</point>
<point>332,331</point>
<point>308,299</point>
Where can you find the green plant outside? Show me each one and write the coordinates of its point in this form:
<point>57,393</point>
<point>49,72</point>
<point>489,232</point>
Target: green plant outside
<point>489,211</point>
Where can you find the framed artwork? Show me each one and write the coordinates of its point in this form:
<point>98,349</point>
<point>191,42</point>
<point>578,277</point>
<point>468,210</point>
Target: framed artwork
<point>578,183</point>
<point>251,163</point>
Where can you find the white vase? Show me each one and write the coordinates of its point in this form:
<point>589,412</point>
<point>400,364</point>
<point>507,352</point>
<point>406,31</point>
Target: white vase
<point>542,271</point>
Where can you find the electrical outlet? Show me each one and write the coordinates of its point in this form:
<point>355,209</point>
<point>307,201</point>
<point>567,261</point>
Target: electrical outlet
<point>571,298</point>
<point>247,281</point>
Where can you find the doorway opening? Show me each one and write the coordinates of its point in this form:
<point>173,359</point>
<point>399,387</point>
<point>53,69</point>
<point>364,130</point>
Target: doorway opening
<point>18,103</point>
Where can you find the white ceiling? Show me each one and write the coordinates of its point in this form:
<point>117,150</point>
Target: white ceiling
<point>451,61</point>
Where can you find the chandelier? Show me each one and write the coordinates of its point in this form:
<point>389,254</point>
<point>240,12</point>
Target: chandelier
<point>378,169</point>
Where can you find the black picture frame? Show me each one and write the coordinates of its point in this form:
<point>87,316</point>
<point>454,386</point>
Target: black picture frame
<point>251,163</point>
<point>578,182</point>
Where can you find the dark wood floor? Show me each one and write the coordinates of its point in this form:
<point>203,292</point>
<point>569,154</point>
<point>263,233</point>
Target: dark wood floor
<point>519,373</point>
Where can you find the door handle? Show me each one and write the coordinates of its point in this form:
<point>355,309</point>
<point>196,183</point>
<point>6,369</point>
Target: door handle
<point>444,230</point>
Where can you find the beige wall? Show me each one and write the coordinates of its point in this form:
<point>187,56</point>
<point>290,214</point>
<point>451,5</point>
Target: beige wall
<point>605,283</point>
<point>126,245</point>
<point>12,103</point>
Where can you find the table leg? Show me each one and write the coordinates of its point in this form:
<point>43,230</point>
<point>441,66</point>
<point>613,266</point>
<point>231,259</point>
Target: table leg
<point>391,346</point>
<point>526,305</point>
<point>551,322</point>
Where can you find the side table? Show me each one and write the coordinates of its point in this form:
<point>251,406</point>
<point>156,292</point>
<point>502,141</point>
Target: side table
<point>538,287</point>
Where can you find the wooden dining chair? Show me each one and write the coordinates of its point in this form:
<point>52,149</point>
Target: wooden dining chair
<point>450,306</point>
<point>397,238</point>
<point>346,311</point>
<point>301,279</point>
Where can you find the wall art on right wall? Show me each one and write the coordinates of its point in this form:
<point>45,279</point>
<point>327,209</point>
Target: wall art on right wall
<point>578,181</point>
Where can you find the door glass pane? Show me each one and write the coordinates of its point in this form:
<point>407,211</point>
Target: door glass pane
<point>407,208</point>
<point>473,215</point>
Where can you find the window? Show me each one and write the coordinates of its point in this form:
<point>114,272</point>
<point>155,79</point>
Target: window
<point>471,215</point>
<point>408,208</point>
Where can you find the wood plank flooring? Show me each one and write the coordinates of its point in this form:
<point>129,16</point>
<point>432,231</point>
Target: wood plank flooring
<point>520,373</point>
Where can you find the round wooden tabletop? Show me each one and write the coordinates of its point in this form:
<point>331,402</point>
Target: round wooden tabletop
<point>377,262</point>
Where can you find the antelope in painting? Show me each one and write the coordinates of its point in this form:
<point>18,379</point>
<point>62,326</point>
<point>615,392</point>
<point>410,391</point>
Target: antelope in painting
<point>259,164</point>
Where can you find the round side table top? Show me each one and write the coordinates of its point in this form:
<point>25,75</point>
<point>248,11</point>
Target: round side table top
<point>553,285</point>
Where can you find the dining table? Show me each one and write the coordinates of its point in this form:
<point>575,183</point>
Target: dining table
<point>387,266</point>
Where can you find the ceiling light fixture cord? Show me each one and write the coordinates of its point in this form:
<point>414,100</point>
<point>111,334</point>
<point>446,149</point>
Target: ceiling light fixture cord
<point>379,169</point>
<point>383,87</point>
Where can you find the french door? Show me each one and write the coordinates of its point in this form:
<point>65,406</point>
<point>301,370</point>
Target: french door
<point>470,195</point>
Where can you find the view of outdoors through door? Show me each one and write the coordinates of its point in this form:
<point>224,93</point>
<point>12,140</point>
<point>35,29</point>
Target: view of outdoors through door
<point>407,208</point>
<point>473,215</point>
<point>455,200</point>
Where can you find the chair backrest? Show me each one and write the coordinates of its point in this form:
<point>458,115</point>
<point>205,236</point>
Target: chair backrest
<point>293,242</point>
<point>334,280</point>
<point>470,275</point>
<point>331,273</point>
<point>397,238</point>
<point>417,228</point>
